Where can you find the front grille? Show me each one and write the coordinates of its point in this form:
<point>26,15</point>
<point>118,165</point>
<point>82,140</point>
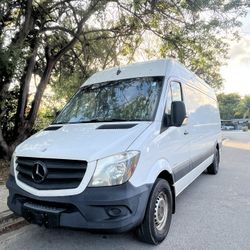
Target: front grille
<point>61,174</point>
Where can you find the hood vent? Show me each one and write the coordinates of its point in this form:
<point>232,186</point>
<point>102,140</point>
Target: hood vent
<point>52,128</point>
<point>117,126</point>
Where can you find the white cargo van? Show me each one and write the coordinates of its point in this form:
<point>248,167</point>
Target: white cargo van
<point>115,158</point>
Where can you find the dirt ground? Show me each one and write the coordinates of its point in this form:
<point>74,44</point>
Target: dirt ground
<point>4,171</point>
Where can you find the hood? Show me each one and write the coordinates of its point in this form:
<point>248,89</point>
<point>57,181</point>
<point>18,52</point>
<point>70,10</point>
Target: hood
<point>89,141</point>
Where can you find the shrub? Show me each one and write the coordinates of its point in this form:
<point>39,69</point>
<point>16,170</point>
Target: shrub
<point>245,128</point>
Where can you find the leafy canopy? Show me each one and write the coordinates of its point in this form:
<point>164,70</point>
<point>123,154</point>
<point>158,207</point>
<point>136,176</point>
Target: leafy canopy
<point>62,42</point>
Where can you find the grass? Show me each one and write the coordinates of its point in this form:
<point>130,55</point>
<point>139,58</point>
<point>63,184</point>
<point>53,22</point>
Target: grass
<point>4,171</point>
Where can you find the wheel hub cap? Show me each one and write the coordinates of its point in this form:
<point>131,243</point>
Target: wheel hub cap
<point>161,211</point>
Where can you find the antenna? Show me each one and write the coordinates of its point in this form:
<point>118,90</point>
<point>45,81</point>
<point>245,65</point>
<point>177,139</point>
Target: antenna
<point>118,70</point>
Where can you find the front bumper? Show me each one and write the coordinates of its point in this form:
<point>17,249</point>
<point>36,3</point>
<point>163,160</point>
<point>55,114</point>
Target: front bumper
<point>114,209</point>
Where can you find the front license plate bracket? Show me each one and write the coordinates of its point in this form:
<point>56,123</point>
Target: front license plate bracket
<point>42,215</point>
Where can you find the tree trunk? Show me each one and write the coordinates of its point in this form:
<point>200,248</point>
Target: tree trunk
<point>24,89</point>
<point>25,127</point>
<point>4,148</point>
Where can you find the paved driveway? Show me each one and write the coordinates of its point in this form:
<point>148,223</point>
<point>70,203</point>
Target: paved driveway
<point>212,213</point>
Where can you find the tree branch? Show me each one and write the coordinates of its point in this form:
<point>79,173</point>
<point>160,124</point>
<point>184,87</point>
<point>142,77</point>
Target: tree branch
<point>93,7</point>
<point>56,28</point>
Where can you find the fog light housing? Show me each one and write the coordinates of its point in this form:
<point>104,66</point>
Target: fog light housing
<point>117,211</point>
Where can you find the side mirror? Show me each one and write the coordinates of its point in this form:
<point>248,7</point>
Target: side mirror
<point>178,113</point>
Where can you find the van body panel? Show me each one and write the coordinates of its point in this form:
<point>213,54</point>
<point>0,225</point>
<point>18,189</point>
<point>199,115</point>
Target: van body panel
<point>204,124</point>
<point>81,141</point>
<point>149,145</point>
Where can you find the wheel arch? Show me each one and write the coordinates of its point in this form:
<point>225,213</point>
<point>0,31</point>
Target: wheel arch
<point>170,179</point>
<point>162,169</point>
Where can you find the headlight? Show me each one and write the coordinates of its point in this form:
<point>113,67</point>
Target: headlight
<point>12,163</point>
<point>115,169</point>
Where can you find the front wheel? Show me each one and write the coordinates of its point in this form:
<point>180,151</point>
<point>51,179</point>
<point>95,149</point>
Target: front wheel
<point>156,223</point>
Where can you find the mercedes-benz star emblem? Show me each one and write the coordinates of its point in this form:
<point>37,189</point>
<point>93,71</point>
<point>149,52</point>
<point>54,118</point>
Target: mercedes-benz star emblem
<point>39,172</point>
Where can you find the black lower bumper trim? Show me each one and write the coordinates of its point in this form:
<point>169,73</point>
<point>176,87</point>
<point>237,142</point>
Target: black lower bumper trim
<point>42,215</point>
<point>114,209</point>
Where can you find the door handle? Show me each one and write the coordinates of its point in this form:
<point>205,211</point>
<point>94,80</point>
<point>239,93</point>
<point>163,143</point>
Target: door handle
<point>186,132</point>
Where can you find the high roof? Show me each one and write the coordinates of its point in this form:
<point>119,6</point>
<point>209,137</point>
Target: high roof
<point>162,67</point>
<point>148,68</point>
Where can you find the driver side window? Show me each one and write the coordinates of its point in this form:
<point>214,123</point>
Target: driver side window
<point>174,94</point>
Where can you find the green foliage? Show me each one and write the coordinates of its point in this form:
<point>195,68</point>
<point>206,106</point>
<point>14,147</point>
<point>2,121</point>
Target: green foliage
<point>228,105</point>
<point>195,34</point>
<point>50,105</point>
<point>8,120</point>
<point>244,107</point>
<point>233,106</point>
<point>45,116</point>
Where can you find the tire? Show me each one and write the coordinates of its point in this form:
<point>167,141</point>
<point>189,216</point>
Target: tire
<point>158,215</point>
<point>214,167</point>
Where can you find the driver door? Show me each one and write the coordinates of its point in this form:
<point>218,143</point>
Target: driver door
<point>174,143</point>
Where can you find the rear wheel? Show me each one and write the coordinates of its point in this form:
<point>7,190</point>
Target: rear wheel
<point>156,223</point>
<point>214,167</point>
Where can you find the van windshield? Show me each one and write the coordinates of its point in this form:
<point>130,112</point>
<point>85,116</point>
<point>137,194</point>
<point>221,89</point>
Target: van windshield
<point>123,100</point>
